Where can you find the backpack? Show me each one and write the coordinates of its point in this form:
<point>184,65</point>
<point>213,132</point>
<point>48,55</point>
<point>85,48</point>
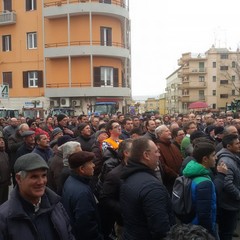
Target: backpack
<point>182,199</point>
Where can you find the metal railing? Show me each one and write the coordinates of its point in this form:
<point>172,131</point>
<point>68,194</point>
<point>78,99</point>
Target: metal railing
<point>7,17</point>
<point>119,3</point>
<point>84,43</point>
<point>67,85</point>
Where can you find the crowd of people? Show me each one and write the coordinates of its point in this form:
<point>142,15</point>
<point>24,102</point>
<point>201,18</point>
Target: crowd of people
<point>111,177</point>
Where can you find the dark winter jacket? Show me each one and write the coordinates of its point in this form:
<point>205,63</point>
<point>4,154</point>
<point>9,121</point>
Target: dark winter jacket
<point>80,203</point>
<point>5,171</point>
<point>124,135</point>
<point>15,141</point>
<point>86,142</point>
<point>150,136</point>
<point>110,196</point>
<point>44,153</point>
<point>145,204</point>
<point>54,173</point>
<point>203,196</point>
<point>24,149</point>
<point>19,221</point>
<point>230,195</point>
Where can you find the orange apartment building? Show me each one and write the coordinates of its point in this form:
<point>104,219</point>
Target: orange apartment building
<point>68,53</point>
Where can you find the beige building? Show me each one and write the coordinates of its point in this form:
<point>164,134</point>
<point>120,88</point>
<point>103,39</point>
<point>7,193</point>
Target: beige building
<point>212,77</point>
<point>173,93</point>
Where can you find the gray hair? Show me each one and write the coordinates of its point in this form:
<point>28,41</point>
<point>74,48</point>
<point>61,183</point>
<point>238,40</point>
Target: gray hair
<point>23,125</point>
<point>160,129</point>
<point>69,148</point>
<point>23,174</point>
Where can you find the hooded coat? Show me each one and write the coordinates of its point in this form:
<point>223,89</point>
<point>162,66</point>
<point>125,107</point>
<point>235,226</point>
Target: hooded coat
<point>203,196</point>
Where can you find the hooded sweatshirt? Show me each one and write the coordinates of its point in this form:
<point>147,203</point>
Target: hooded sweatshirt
<point>203,196</point>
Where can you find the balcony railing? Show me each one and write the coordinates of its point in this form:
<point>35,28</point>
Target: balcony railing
<point>75,85</point>
<point>84,43</point>
<point>7,17</point>
<point>60,3</point>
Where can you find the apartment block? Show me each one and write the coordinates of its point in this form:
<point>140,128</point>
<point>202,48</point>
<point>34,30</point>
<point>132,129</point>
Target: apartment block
<point>211,77</point>
<point>68,53</point>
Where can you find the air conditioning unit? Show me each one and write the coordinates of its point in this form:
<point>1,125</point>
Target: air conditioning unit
<point>54,103</point>
<point>76,103</point>
<point>64,102</point>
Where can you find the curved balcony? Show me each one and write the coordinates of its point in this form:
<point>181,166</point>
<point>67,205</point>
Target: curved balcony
<point>58,9</point>
<point>85,90</point>
<point>85,48</point>
<point>7,17</point>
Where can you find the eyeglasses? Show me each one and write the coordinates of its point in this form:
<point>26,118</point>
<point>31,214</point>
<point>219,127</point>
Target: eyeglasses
<point>181,134</point>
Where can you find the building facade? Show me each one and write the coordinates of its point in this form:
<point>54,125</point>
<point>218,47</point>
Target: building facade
<point>173,93</point>
<point>66,53</point>
<point>212,77</point>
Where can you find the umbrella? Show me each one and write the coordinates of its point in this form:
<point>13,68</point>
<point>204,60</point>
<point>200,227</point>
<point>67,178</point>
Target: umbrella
<point>196,105</point>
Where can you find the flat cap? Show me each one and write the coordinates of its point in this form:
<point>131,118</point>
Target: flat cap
<point>56,131</point>
<point>29,162</point>
<point>79,158</point>
<point>27,133</point>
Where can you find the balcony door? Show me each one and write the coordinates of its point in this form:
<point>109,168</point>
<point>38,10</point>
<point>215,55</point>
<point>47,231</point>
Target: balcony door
<point>7,5</point>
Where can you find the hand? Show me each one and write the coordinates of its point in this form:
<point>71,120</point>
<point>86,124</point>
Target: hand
<point>222,168</point>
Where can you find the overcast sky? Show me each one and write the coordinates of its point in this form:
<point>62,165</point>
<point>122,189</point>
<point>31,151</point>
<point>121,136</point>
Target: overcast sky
<point>162,30</point>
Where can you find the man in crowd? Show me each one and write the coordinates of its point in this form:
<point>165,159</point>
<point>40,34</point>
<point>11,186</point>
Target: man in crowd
<point>10,129</point>
<point>94,124</point>
<point>85,138</point>
<point>62,120</point>
<point>28,143</point>
<point>145,202</point>
<point>127,126</point>
<point>33,210</point>
<point>5,171</point>
<point>42,147</point>
<point>188,128</point>
<point>78,198</point>
<point>170,156</point>
<point>150,127</point>
<point>229,191</point>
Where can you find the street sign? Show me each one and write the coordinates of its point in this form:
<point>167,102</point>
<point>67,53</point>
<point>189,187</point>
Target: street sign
<point>4,91</point>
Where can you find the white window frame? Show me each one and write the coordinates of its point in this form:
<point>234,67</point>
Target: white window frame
<point>106,77</point>
<point>31,40</point>
<point>33,79</point>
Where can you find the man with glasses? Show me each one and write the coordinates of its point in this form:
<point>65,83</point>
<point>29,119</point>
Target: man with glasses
<point>189,128</point>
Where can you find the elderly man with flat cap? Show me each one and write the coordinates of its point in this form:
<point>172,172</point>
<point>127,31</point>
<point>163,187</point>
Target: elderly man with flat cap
<point>33,211</point>
<point>78,199</point>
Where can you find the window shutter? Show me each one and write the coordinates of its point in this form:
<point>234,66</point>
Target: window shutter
<point>35,5</point>
<point>115,77</point>
<point>109,37</point>
<point>28,7</point>
<point>10,43</point>
<point>7,78</point>
<point>97,77</point>
<point>40,78</point>
<point>102,35</point>
<point>25,79</point>
<point>7,5</point>
<point>3,43</point>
